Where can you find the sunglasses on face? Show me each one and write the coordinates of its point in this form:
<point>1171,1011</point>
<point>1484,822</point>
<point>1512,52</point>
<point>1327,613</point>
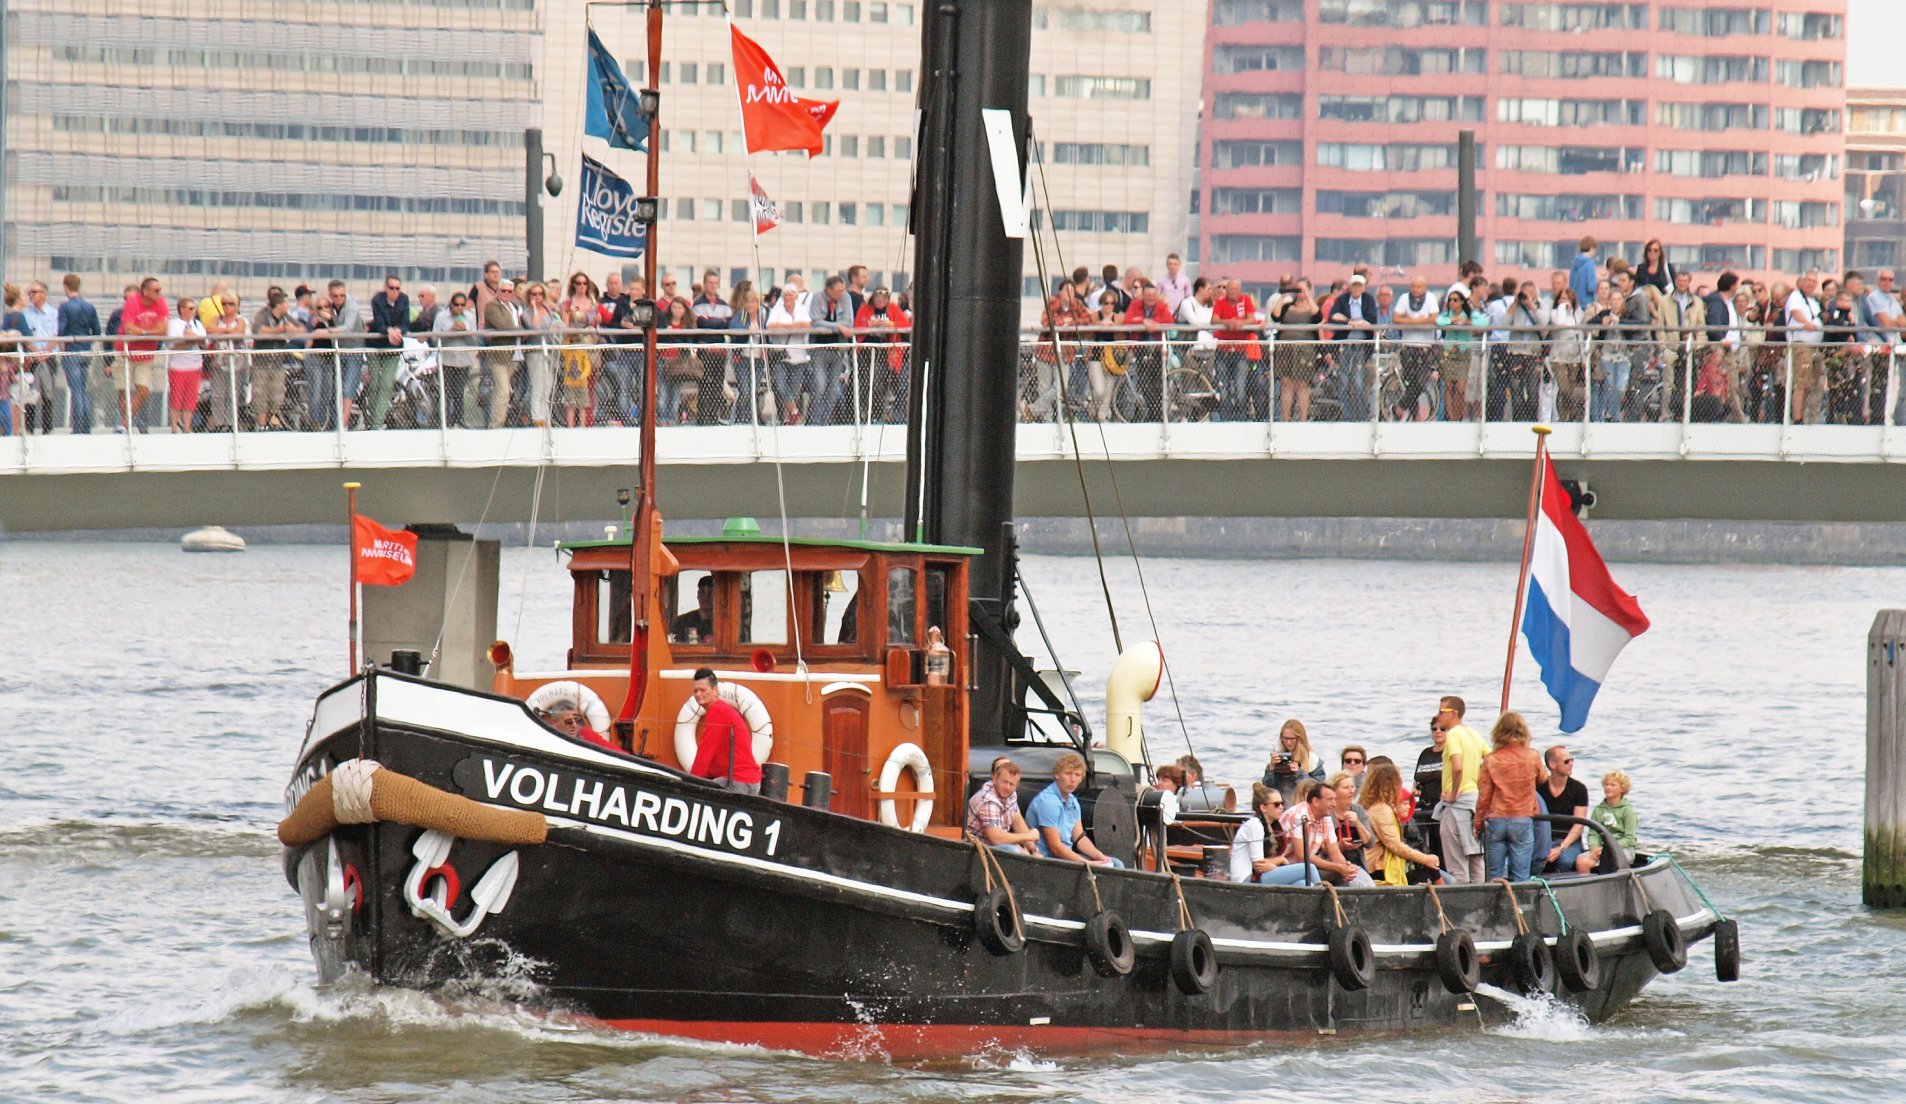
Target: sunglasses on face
<point>1353,762</point>
<point>1438,728</point>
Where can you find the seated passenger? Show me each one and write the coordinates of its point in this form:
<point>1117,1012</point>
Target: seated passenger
<point>1056,817</point>
<point>696,626</point>
<point>1353,824</point>
<point>1258,846</point>
<point>563,715</point>
<point>1387,856</point>
<point>1171,779</point>
<point>1310,831</point>
<point>1616,814</point>
<point>1292,760</point>
<point>993,813</point>
<point>1562,795</point>
<point>1197,795</point>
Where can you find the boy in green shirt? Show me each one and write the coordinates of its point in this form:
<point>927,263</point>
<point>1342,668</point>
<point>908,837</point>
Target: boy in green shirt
<point>1617,814</point>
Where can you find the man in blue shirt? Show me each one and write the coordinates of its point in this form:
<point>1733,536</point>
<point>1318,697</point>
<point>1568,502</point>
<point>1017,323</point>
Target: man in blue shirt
<point>1583,278</point>
<point>78,318</point>
<point>1055,815</point>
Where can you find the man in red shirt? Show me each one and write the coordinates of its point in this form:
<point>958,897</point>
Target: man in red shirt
<point>144,314</point>
<point>1239,354</point>
<point>725,749</point>
<point>1148,309</point>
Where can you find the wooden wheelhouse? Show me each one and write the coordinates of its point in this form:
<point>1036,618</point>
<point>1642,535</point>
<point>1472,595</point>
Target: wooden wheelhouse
<point>838,639</point>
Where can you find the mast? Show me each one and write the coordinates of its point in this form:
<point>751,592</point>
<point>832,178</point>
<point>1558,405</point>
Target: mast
<point>962,411</point>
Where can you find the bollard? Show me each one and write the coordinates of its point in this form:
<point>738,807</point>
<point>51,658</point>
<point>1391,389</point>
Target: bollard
<point>774,781</point>
<point>817,790</point>
<point>1883,874</point>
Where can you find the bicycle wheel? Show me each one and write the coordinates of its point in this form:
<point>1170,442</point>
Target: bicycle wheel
<point>1193,397</point>
<point>1390,398</point>
<point>1127,404</point>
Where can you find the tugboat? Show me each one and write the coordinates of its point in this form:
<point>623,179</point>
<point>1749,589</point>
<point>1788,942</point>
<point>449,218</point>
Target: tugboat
<point>439,834</point>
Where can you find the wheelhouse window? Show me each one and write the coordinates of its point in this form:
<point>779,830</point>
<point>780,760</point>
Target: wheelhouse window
<point>836,610</point>
<point>764,607</point>
<point>901,608</point>
<point>689,600</point>
<point>614,613</point>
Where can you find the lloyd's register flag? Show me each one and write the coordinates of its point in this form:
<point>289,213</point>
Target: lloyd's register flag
<point>605,217</point>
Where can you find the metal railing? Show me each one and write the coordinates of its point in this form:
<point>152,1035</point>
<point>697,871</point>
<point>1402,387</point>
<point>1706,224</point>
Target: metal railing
<point>589,378</point>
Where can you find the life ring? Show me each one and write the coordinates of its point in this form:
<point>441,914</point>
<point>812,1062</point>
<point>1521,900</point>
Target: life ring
<point>594,712</point>
<point>907,757</point>
<point>746,702</point>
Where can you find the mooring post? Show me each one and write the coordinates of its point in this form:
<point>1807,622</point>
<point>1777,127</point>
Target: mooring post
<point>1883,876</point>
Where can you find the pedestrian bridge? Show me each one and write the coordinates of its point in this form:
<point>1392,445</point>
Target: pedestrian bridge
<point>1768,472</point>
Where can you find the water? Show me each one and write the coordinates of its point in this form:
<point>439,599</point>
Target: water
<point>150,949</point>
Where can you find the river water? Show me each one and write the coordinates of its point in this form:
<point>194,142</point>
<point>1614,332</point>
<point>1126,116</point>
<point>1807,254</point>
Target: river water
<point>151,703</point>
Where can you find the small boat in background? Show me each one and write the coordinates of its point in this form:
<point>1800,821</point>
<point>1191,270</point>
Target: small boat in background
<point>212,538</point>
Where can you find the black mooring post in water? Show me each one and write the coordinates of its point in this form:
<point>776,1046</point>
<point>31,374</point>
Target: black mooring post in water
<point>1883,874</point>
<point>1466,247</point>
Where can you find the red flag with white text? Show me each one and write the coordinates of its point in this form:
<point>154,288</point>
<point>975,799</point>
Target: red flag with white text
<point>384,557</point>
<point>772,116</point>
<point>766,213</point>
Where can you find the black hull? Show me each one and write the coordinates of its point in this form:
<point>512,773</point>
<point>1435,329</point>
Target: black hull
<point>742,919</point>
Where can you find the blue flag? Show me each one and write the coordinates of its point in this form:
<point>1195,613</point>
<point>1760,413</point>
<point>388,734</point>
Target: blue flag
<point>605,216</point>
<point>613,112</point>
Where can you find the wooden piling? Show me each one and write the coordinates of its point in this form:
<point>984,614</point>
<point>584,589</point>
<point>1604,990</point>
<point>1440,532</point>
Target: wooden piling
<point>1883,875</point>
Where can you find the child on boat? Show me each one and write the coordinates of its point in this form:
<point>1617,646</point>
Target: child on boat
<point>1617,814</point>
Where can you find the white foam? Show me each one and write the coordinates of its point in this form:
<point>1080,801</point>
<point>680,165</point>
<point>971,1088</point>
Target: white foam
<point>1542,1017</point>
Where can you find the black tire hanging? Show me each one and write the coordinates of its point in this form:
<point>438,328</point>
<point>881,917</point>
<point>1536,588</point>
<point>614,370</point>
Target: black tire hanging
<point>1194,962</point>
<point>1727,951</point>
<point>1531,963</point>
<point>1353,962</point>
<point>1667,947</point>
<point>997,923</point>
<point>1576,962</point>
<point>1457,962</point>
<point>1108,942</point>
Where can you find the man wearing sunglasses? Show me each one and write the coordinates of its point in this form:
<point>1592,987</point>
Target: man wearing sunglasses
<point>1561,795</point>
<point>1463,750</point>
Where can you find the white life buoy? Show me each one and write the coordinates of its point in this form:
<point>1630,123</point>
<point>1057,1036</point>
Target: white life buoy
<point>907,757</point>
<point>746,702</point>
<point>595,714</point>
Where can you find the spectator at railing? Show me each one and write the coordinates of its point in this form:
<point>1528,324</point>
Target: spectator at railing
<point>78,319</point>
<point>272,330</point>
<point>42,321</point>
<point>1804,336</point>
<point>1415,320</point>
<point>831,316</point>
<point>883,322</point>
<point>185,364</point>
<point>390,317</point>
<point>793,376</point>
<point>1194,314</point>
<point>228,362</point>
<point>712,312</point>
<point>1149,313</point>
<point>1460,327</point>
<point>1568,354</point>
<point>1353,318</point>
<point>143,320</point>
<point>500,350</point>
<point>14,379</point>
<point>1240,353</point>
<point>456,329</point>
<point>1109,357</point>
<point>1521,352</point>
<point>1654,271</point>
<point>621,363</point>
<point>678,359</point>
<point>1175,287</point>
<point>542,321</point>
<point>1296,357</point>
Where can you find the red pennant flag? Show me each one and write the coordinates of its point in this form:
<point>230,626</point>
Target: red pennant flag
<point>384,557</point>
<point>772,117</point>
<point>767,215</point>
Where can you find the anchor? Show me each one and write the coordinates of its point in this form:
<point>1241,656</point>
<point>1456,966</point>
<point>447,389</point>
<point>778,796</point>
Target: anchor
<point>490,894</point>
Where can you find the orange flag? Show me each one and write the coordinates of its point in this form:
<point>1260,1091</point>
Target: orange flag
<point>384,557</point>
<point>772,116</point>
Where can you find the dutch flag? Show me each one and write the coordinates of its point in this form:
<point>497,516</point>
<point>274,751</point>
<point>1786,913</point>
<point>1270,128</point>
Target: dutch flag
<point>1576,619</point>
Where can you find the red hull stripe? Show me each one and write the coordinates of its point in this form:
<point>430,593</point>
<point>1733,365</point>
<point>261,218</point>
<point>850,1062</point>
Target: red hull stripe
<point>929,1041</point>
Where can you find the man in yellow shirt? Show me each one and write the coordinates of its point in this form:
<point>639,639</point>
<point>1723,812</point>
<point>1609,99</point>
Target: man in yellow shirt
<point>1463,749</point>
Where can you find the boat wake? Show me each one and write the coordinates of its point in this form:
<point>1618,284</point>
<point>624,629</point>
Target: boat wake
<point>1541,1018</point>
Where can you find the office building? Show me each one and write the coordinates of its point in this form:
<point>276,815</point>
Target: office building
<point>1876,177</point>
<point>1331,126</point>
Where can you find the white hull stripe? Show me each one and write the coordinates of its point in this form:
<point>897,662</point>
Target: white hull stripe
<point>1050,923</point>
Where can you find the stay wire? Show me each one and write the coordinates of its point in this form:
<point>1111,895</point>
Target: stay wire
<point>1171,683</point>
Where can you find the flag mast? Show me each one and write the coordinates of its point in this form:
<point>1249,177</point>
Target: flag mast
<point>1528,548</point>
<point>350,491</point>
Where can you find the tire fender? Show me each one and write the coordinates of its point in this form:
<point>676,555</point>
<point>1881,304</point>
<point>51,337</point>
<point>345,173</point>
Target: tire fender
<point>1194,962</point>
<point>1457,963</point>
<point>1667,947</point>
<point>1532,964</point>
<point>1108,942</point>
<point>1727,951</point>
<point>1353,962</point>
<point>1577,963</point>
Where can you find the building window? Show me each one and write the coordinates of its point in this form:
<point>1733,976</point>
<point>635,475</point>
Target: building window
<point>1712,115</point>
<point>1036,85</point>
<point>850,12</point>
<point>1716,256</point>
<point>1258,105</point>
<point>1712,212</point>
<point>793,211</point>
<point>824,78</point>
<point>876,80</point>
<point>1400,109</point>
<point>1404,13</point>
<point>1546,112</point>
<point>1715,22</point>
<point>1791,215</point>
<point>1102,222</point>
<point>849,213</point>
<point>1233,13</point>
<point>1397,61</point>
<point>903,147</point>
<point>797,9</point>
<point>823,11</point>
<point>1555,254</point>
<point>717,73</point>
<point>876,145</point>
<point>1576,17</point>
<point>1257,201</point>
<point>1385,205</point>
<point>818,213</point>
<point>1807,74</point>
<point>796,76</point>
<point>1103,153</point>
<point>1711,164</point>
<point>849,145</point>
<point>1811,120</point>
<point>903,80</point>
<point>1568,208</point>
<point>850,80</point>
<point>1103,88</point>
<point>1237,248</point>
<point>1404,252</point>
<point>1807,260</point>
<point>1573,64</point>
<point>1710,69</point>
<point>1807,166</point>
<point>1399,157</point>
<point>1083,19</point>
<point>1257,59</point>
<point>691,73</point>
<point>1571,160</point>
<point>1809,27</point>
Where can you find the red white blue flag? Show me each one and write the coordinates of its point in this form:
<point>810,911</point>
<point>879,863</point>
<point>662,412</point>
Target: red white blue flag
<point>1576,619</point>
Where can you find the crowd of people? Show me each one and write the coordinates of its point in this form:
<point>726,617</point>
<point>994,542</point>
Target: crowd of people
<point>1608,340</point>
<point>1468,812</point>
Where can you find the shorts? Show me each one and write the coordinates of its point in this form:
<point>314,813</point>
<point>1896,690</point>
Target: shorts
<point>184,394</point>
<point>141,372</point>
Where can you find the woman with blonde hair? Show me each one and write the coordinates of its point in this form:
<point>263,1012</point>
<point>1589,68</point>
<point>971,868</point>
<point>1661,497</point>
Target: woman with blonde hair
<point>1292,760</point>
<point>1505,800</point>
<point>1353,822</point>
<point>1387,857</point>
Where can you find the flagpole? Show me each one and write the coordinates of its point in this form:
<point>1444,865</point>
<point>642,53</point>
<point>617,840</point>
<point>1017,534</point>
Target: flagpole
<point>1528,548</point>
<point>350,490</point>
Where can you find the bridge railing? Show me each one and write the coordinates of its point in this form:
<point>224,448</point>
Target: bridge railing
<point>1164,375</point>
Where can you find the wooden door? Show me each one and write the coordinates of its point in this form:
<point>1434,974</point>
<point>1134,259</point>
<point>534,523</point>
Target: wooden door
<point>844,750</point>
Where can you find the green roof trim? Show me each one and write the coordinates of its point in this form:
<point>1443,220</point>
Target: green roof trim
<point>799,542</point>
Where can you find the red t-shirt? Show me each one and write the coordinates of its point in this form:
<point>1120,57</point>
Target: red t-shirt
<point>596,738</point>
<point>139,313</point>
<point>1225,310</point>
<point>722,728</point>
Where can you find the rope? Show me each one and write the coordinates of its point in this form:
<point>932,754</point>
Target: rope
<point>1695,886</point>
<point>1336,906</point>
<point>1522,927</point>
<point>1554,903</point>
<point>1184,909</point>
<point>1641,890</point>
<point>1092,880</point>
<point>351,791</point>
<point>1437,900</point>
<point>989,865</point>
<point>535,511</point>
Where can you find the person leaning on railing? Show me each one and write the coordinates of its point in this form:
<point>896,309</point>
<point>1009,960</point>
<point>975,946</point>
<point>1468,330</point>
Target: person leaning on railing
<point>882,322</point>
<point>272,328</point>
<point>1240,354</point>
<point>1460,329</point>
<point>1296,357</point>
<point>184,363</point>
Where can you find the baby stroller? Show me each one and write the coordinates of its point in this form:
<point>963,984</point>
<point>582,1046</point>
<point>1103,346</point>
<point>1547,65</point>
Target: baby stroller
<point>414,393</point>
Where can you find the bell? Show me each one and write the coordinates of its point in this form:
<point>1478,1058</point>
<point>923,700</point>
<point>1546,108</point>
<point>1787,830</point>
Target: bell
<point>835,584</point>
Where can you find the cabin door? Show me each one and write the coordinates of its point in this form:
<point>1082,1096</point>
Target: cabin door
<point>844,750</point>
